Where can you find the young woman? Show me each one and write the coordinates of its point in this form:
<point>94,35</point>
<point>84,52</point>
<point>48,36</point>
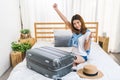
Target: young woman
<point>81,38</point>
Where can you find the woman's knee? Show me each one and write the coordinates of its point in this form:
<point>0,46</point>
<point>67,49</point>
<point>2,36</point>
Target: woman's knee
<point>79,59</point>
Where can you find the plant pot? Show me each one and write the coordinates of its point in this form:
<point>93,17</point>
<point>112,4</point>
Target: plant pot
<point>31,41</point>
<point>16,57</point>
<point>25,36</point>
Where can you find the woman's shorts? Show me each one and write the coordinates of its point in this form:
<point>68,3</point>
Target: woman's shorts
<point>85,58</point>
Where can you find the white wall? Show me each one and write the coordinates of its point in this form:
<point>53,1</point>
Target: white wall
<point>9,30</point>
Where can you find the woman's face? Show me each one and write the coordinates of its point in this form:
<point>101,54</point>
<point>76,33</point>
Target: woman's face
<point>77,24</point>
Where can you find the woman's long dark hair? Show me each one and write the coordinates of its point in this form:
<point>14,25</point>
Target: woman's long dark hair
<point>83,27</point>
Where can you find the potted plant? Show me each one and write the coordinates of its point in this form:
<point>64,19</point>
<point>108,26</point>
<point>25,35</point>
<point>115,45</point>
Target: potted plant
<point>18,52</point>
<point>25,33</point>
<point>15,46</point>
<point>20,47</point>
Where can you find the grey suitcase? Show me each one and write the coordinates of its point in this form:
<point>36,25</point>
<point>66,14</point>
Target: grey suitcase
<point>49,61</point>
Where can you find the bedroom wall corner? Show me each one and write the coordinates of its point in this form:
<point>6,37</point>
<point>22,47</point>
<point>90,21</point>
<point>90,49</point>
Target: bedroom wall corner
<point>9,30</point>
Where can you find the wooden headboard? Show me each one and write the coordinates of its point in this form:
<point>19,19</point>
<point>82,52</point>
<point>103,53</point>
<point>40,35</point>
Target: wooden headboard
<point>44,30</point>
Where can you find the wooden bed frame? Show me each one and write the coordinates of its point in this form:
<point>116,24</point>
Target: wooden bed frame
<point>45,30</point>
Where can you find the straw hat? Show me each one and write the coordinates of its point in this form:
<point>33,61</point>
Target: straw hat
<point>89,71</point>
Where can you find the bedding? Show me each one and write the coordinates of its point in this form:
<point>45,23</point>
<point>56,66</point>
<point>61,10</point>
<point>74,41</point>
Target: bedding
<point>97,57</point>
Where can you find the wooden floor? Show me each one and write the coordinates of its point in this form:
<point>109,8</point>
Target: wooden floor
<point>6,74</point>
<point>114,56</point>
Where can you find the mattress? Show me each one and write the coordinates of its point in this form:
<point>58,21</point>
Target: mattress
<point>97,57</point>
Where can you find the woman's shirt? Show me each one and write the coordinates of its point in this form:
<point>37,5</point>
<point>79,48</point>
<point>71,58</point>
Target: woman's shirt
<point>79,49</point>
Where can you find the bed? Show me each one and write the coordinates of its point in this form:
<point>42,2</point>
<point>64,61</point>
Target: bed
<point>45,36</point>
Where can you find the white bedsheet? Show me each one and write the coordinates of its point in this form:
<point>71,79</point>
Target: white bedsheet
<point>98,57</point>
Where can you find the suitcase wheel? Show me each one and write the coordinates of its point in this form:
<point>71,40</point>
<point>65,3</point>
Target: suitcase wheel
<point>29,67</point>
<point>57,78</point>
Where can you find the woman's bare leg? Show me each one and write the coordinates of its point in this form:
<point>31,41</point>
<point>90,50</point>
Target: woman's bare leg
<point>79,59</point>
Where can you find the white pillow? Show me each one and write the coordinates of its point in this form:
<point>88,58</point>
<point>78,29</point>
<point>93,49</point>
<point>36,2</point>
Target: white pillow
<point>62,37</point>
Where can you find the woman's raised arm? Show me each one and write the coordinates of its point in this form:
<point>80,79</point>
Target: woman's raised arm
<point>61,15</point>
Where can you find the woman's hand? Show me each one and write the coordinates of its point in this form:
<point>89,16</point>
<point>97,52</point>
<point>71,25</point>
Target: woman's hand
<point>91,35</point>
<point>54,5</point>
<point>87,42</point>
<point>89,38</point>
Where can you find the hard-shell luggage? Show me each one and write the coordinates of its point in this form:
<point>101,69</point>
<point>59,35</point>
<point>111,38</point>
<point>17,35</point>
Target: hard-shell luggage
<point>49,61</point>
